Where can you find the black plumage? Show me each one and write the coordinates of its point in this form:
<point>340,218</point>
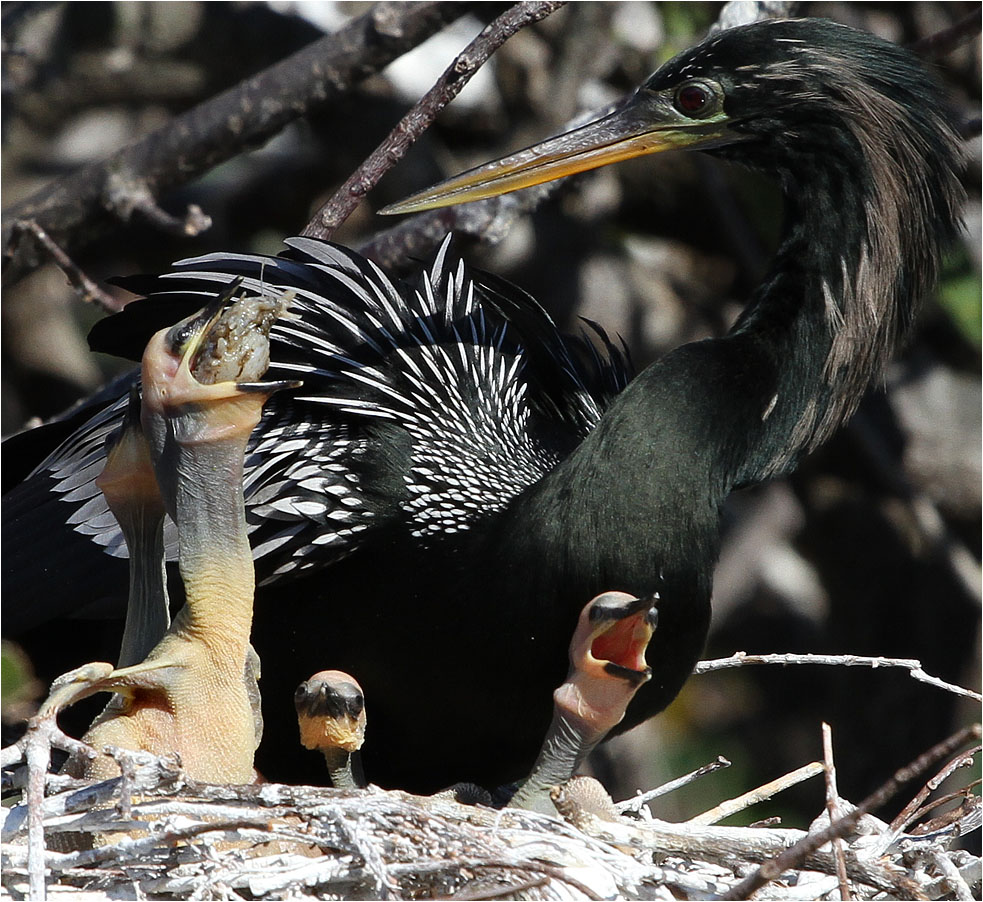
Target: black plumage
<point>455,480</point>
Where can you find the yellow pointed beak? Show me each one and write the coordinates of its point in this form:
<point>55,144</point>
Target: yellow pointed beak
<point>646,124</point>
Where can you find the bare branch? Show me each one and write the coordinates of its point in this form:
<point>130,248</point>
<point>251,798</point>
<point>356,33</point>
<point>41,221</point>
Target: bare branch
<point>636,803</point>
<point>86,289</point>
<point>73,210</point>
<point>914,809</point>
<point>761,794</point>
<point>798,853</point>
<point>914,668</point>
<point>126,196</point>
<point>420,117</point>
<point>832,805</point>
<point>942,42</point>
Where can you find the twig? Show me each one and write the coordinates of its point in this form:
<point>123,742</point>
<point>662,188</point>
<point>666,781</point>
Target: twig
<point>636,803</point>
<point>34,747</point>
<point>945,41</point>
<point>813,841</point>
<point>968,816</point>
<point>914,808</point>
<point>952,877</point>
<point>914,667</point>
<point>965,794</point>
<point>832,796</point>
<point>86,289</point>
<point>72,209</point>
<point>38,754</point>
<point>423,113</point>
<point>126,196</point>
<point>762,793</point>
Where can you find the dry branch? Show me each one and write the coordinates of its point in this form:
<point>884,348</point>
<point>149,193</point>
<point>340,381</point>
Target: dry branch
<point>340,206</point>
<point>636,803</point>
<point>761,794</point>
<point>89,202</point>
<point>914,668</point>
<point>801,851</point>
<point>84,287</point>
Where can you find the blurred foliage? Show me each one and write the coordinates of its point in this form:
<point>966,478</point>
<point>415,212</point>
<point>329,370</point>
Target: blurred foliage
<point>960,290</point>
<point>19,690</point>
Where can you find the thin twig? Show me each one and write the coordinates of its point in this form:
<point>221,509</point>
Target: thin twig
<point>968,813</point>
<point>636,802</point>
<point>126,196</point>
<point>86,289</point>
<point>964,794</point>
<point>790,858</point>
<point>910,811</point>
<point>942,42</point>
<point>832,797</point>
<point>38,753</point>
<point>952,877</point>
<point>761,794</point>
<point>914,667</point>
<point>423,113</point>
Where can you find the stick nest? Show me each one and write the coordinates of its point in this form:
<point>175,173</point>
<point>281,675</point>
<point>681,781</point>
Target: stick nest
<point>153,833</point>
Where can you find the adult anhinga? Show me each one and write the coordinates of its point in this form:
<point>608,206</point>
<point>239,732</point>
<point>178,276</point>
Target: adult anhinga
<point>431,512</point>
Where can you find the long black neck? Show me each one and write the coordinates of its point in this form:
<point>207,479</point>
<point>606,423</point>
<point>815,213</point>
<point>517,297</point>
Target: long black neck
<point>866,218</point>
<point>864,229</point>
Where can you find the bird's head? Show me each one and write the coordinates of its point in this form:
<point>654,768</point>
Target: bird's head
<point>607,659</point>
<point>331,712</point>
<point>775,94</point>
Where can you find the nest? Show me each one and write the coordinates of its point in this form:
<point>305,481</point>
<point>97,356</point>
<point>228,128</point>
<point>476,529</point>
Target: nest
<point>154,833</point>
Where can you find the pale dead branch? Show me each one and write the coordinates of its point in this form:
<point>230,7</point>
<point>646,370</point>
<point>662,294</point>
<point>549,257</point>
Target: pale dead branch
<point>914,668</point>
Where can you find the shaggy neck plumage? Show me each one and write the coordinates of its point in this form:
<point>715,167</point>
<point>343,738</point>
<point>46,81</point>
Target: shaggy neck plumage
<point>868,213</point>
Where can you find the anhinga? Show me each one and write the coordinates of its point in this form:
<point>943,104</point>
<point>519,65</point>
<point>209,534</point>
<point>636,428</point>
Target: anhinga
<point>331,717</point>
<point>193,692</point>
<point>455,480</point>
<point>607,668</point>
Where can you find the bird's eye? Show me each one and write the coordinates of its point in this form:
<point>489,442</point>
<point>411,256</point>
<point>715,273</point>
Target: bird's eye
<point>695,99</point>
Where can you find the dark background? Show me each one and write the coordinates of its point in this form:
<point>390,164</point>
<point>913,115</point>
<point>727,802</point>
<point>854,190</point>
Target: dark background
<point>871,548</point>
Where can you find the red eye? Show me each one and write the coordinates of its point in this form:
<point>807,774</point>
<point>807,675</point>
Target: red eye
<point>695,99</point>
<point>692,98</point>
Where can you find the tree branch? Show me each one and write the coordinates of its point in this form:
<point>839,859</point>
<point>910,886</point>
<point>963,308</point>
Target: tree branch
<point>87,204</point>
<point>914,668</point>
<point>423,113</point>
<point>798,853</point>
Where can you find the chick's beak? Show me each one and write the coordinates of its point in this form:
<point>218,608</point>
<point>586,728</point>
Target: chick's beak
<point>647,123</point>
<point>621,629</point>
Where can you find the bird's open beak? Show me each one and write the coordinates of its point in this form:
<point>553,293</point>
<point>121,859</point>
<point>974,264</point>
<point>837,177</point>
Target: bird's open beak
<point>646,124</point>
<point>620,634</point>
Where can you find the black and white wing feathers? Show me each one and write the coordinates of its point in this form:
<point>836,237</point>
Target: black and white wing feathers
<point>429,405</point>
